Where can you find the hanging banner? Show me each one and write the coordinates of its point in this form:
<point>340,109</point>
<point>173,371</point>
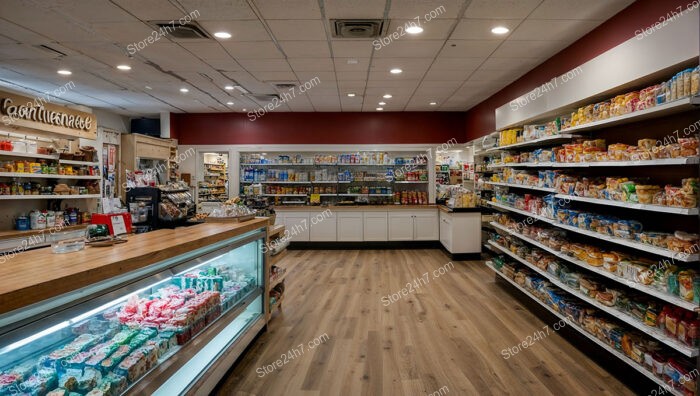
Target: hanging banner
<point>37,114</point>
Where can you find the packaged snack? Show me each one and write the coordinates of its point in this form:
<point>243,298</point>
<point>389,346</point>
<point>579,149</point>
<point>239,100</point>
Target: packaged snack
<point>646,193</point>
<point>607,297</point>
<point>113,384</point>
<point>589,287</point>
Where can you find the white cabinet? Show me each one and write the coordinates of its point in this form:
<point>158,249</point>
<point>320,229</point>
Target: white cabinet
<point>400,226</point>
<point>425,225</point>
<point>296,226</point>
<point>323,227</point>
<point>460,232</point>
<point>350,227</point>
<point>375,226</point>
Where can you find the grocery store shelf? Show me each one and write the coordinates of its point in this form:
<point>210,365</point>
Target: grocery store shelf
<point>519,211</point>
<point>284,195</point>
<point>622,316</point>
<point>326,195</point>
<point>28,197</point>
<point>545,189</point>
<point>636,116</point>
<point>277,280</point>
<point>43,176</point>
<point>28,155</point>
<point>675,300</point>
<point>630,205</point>
<point>71,162</point>
<point>588,335</point>
<point>276,182</point>
<point>365,195</point>
<point>412,182</point>
<point>326,182</point>
<point>655,162</point>
<point>280,164</point>
<point>562,137</point>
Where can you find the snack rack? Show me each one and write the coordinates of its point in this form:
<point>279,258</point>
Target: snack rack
<point>647,246</point>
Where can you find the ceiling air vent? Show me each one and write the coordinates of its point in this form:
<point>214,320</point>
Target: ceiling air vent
<point>186,31</point>
<point>283,85</point>
<point>52,51</point>
<point>357,28</point>
<point>263,97</point>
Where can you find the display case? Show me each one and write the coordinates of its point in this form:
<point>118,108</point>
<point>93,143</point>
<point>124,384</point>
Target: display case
<point>165,329</point>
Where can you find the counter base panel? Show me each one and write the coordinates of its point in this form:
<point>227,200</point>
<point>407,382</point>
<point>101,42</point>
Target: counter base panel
<point>367,245</point>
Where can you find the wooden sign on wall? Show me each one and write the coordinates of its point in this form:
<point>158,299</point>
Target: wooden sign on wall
<point>37,114</point>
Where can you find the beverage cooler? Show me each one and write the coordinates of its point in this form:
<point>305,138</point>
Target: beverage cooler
<point>154,208</point>
<point>170,328</point>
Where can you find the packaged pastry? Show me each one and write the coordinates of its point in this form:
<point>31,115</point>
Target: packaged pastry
<point>589,287</point>
<point>607,297</point>
<point>646,193</point>
<point>113,384</point>
<point>646,144</point>
<point>685,284</point>
<point>595,258</point>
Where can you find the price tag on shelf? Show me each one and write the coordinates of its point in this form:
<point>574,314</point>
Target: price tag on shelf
<point>118,225</point>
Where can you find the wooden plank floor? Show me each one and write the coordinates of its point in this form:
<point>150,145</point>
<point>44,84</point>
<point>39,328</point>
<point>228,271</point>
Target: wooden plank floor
<point>448,333</point>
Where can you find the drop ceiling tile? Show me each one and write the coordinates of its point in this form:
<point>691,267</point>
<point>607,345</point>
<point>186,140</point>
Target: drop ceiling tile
<point>465,64</point>
<point>434,30</point>
<point>358,64</point>
<point>124,32</point>
<point>289,9</point>
<point>355,9</point>
<point>225,10</point>
<point>410,49</point>
<point>384,75</point>
<point>274,76</point>
<point>575,9</point>
<point>325,101</point>
<point>397,92</point>
<point>252,50</point>
<point>206,50</point>
<point>239,30</point>
<point>426,10</point>
<point>439,84</point>
<point>524,49</point>
<point>224,64</point>
<point>403,63</point>
<point>446,75</point>
<point>308,49</point>
<point>469,48</point>
<point>90,11</point>
<point>502,76</point>
<point>13,33</point>
<point>301,29</point>
<point>311,64</point>
<point>405,86</point>
<point>514,9</point>
<point>352,85</point>
<point>510,64</point>
<point>314,77</point>
<point>258,65</point>
<point>425,91</point>
<point>154,10</point>
<point>14,51</point>
<point>566,30</point>
<point>480,29</point>
<point>350,75</point>
<point>352,48</point>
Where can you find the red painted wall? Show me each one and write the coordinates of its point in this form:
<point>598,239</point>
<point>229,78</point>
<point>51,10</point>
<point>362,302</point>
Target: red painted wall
<point>620,28</point>
<point>318,128</point>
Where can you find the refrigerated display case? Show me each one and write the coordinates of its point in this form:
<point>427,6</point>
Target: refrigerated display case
<point>173,327</point>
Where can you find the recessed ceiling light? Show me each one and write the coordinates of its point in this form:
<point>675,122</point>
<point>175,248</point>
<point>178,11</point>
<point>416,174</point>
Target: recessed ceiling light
<point>380,109</point>
<point>245,110</point>
<point>222,35</point>
<point>433,103</point>
<point>387,96</point>
<point>352,61</point>
<point>381,103</point>
<point>414,29</point>
<point>396,70</point>
<point>123,67</point>
<point>351,95</point>
<point>500,30</point>
<point>229,103</point>
<point>184,90</point>
<point>229,87</point>
<point>65,72</point>
<point>148,87</point>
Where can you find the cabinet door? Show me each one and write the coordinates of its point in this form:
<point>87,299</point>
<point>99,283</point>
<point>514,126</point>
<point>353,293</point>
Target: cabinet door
<point>425,226</point>
<point>350,226</point>
<point>323,227</point>
<point>446,231</point>
<point>375,226</point>
<point>296,226</point>
<point>401,226</point>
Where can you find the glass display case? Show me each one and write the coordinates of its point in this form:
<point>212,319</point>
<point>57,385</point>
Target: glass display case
<point>159,334</point>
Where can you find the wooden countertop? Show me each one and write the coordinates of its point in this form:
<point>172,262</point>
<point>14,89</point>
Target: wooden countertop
<point>21,234</point>
<point>282,208</point>
<point>447,209</point>
<point>37,275</point>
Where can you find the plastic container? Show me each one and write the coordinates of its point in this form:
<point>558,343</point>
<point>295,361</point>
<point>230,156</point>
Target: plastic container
<point>22,223</point>
<point>68,246</point>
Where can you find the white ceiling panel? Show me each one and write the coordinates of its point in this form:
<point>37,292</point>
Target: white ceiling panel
<point>410,49</point>
<point>13,33</point>
<point>426,10</point>
<point>274,76</point>
<point>538,29</point>
<point>446,75</point>
<point>350,75</point>
<point>490,9</point>
<point>480,29</point>
<point>468,48</point>
<point>302,29</point>
<point>252,50</point>
<point>154,10</point>
<point>93,11</point>
<point>510,64</point>
<point>265,65</point>
<point>306,49</point>
<point>364,9</point>
<point>437,29</point>
<point>313,77</point>
<point>311,64</point>
<point>406,86</point>
<point>492,75</point>
<point>352,48</point>
<point>404,63</point>
<point>408,74</point>
<point>239,30</point>
<point>352,64</point>
<point>124,32</point>
<point>575,9</point>
<point>224,10</point>
<point>352,85</point>
<point>289,9</point>
<point>466,64</point>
